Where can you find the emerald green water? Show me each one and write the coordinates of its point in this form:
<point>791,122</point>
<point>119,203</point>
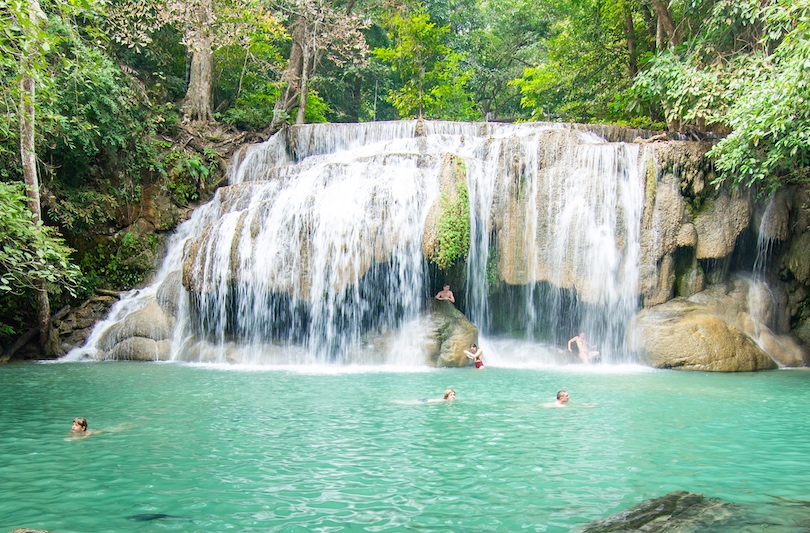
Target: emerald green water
<point>333,449</point>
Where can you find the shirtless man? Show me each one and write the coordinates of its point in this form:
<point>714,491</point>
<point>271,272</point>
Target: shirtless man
<point>446,294</point>
<point>562,399</point>
<point>584,348</point>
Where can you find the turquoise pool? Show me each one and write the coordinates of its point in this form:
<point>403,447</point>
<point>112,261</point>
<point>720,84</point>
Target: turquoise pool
<point>343,449</point>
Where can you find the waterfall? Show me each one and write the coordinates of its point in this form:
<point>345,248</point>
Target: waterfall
<point>314,251</point>
<point>566,210</point>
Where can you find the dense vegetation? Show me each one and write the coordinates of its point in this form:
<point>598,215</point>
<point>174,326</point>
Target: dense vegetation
<point>104,101</point>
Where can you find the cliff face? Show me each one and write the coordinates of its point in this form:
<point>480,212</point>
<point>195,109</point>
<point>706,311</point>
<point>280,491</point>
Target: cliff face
<point>323,234</point>
<point>724,274</point>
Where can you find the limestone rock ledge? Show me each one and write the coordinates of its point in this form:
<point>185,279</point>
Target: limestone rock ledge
<point>448,334</point>
<point>731,327</point>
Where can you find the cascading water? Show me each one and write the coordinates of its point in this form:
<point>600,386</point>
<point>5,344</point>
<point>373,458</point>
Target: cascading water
<point>566,210</point>
<point>314,252</point>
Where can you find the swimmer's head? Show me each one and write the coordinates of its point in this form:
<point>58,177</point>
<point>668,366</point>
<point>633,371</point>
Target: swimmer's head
<point>449,394</point>
<point>562,396</point>
<point>79,425</point>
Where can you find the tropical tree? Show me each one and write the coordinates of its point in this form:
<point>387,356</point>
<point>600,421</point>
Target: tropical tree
<point>31,253</point>
<point>205,25</point>
<point>588,58</point>
<point>25,41</point>
<point>769,114</point>
<point>498,41</point>
<point>739,68</point>
<point>320,28</point>
<point>433,84</point>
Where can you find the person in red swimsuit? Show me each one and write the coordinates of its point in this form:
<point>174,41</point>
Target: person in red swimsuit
<point>475,353</point>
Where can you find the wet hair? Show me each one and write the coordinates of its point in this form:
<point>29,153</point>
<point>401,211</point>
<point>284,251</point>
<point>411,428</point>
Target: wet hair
<point>81,421</point>
<point>560,394</point>
<point>473,345</point>
<point>447,393</point>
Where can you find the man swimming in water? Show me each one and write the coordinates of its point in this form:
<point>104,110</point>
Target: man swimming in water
<point>562,399</point>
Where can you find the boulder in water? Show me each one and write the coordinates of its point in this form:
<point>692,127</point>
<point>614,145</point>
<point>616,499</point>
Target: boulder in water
<point>449,333</point>
<point>140,349</point>
<point>676,511</point>
<point>685,335</point>
<point>149,322</point>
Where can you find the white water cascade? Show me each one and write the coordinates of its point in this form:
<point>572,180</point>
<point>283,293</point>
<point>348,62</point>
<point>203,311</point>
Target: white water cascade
<point>314,252</point>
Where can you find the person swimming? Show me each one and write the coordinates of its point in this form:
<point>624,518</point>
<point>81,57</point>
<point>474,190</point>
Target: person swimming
<point>563,398</point>
<point>448,396</point>
<point>79,428</point>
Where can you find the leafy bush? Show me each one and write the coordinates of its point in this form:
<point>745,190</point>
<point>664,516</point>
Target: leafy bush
<point>186,175</point>
<point>251,111</point>
<point>453,239</point>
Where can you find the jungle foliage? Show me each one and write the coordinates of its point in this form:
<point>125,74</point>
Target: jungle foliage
<point>121,84</point>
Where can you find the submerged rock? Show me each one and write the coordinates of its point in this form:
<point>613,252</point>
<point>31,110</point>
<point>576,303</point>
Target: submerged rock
<point>680,511</point>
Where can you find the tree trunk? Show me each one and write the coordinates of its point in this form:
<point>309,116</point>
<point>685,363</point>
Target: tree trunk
<point>291,78</point>
<point>630,32</point>
<point>665,19</point>
<point>353,113</point>
<point>28,157</point>
<point>302,96</point>
<point>197,103</point>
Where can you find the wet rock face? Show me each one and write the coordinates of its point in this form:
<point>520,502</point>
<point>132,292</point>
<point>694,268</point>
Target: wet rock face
<point>683,335</point>
<point>685,220</point>
<point>74,329</point>
<point>144,335</point>
<point>448,334</point>
<point>677,511</point>
<point>740,325</point>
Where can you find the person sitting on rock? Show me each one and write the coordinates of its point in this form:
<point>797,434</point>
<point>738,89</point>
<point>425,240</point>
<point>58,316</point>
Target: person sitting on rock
<point>446,294</point>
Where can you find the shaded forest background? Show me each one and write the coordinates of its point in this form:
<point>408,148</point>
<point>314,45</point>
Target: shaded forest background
<point>120,115</point>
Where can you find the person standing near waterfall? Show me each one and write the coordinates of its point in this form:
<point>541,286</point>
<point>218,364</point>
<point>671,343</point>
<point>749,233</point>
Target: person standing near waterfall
<point>475,354</point>
<point>446,294</point>
<point>583,347</point>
